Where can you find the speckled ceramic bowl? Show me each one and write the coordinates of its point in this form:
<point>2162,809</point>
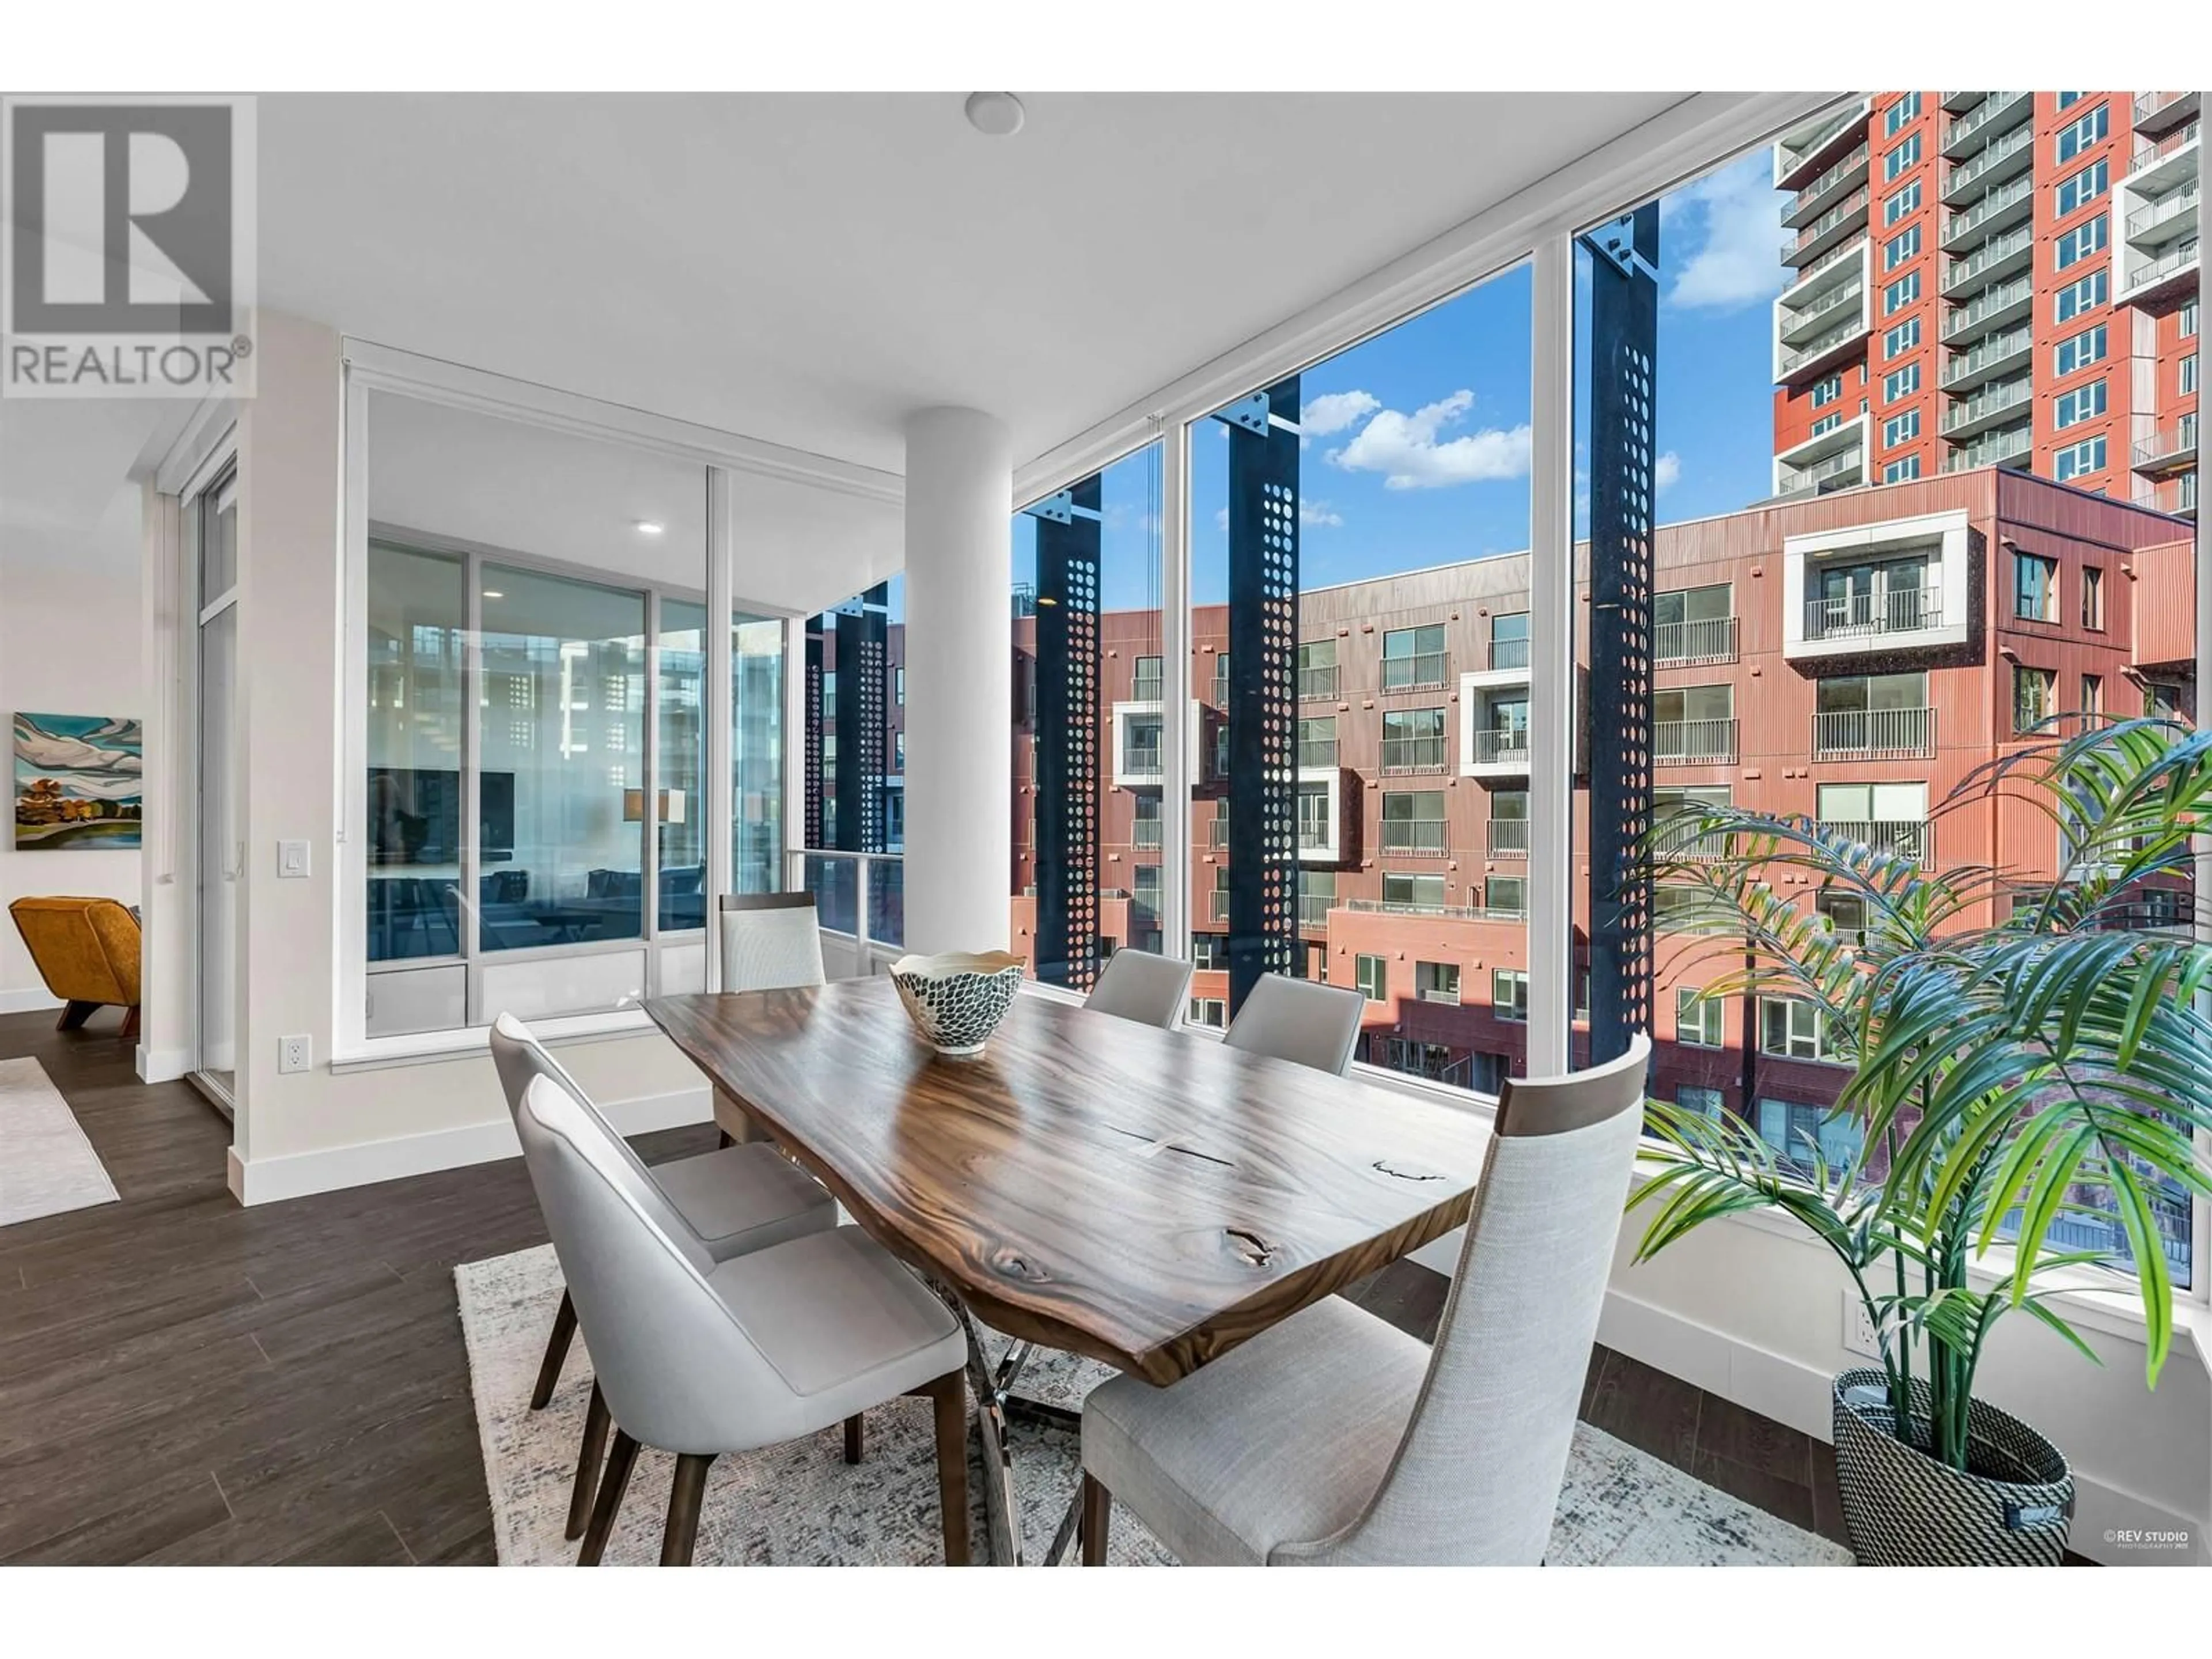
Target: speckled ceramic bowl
<point>956,1000</point>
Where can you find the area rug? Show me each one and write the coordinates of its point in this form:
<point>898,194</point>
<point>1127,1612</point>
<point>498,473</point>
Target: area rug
<point>46,1166</point>
<point>802,1504</point>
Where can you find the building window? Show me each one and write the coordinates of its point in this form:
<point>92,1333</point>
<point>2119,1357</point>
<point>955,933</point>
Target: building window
<point>1145,894</point>
<point>1796,1131</point>
<point>1145,827</point>
<point>1209,1012</point>
<point>1900,428</point>
<point>1413,657</point>
<point>2090,129</point>
<point>1508,995</point>
<point>2079,351</point>
<point>1507,897</point>
<point>1791,1028</point>
<point>2187,327</point>
<point>1699,1022</point>
<point>1843,912</point>
<point>1901,293</point>
<point>1826,391</point>
<point>898,684</point>
<point>2163,701</point>
<point>1417,895</point>
<point>1904,155</point>
<point>2034,588</point>
<point>1373,978</point>
<point>2079,461</point>
<point>1413,821</point>
<point>2077,297</point>
<point>1209,952</point>
<point>2083,188</point>
<point>1904,338</point>
<point>1902,471</point>
<point>1826,424</point>
<point>1509,640</point>
<point>1437,982</point>
<point>1901,114</point>
<point>2079,243</point>
<point>2185,377</point>
<point>2035,695</point>
<point>1690,623</point>
<point>1317,894</point>
<point>1695,1097</point>
<point>1899,248</point>
<point>1900,383</point>
<point>1901,203</point>
<point>2093,597</point>
<point>1318,741</point>
<point>1146,683</point>
<point>1412,739</point>
<point>1318,668</point>
<point>2093,695</point>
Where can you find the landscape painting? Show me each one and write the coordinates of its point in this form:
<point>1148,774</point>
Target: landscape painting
<point>77,781</point>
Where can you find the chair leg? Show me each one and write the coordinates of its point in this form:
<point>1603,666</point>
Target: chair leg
<point>683,1499</point>
<point>589,1457</point>
<point>556,1352</point>
<point>855,1438</point>
<point>75,1015</point>
<point>612,1485</point>
<point>1097,1519</point>
<point>950,1394</point>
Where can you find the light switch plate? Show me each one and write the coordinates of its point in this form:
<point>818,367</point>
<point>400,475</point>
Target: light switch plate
<point>292,861</point>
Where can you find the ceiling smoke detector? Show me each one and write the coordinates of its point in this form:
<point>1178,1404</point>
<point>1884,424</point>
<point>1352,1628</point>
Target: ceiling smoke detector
<point>995,115</point>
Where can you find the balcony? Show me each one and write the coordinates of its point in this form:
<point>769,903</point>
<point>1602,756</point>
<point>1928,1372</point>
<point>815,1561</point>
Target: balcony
<point>1445,912</point>
<point>2170,450</point>
<point>1422,671</point>
<point>2002,255</point>
<point>2006,205</point>
<point>1321,813</point>
<point>1994,358</point>
<point>1875,734</point>
<point>1499,752</point>
<point>1419,754</point>
<point>1820,194</point>
<point>1416,837</point>
<point>2165,280</point>
<point>1147,688</point>
<point>1999,112</point>
<point>1841,254</point>
<point>1874,617</point>
<point>2175,496</point>
<point>2158,165</point>
<point>1906,837</point>
<point>1318,682</point>
<point>1956,103</point>
<point>1834,459</point>
<point>1508,656</point>
<point>2008,400</point>
<point>1828,232</point>
<point>1801,156</point>
<point>2002,159</point>
<point>2007,446</point>
<point>1815,357</point>
<point>1146,833</point>
<point>1701,640</point>
<point>1507,838</point>
<point>1992,309</point>
<point>2158,113</point>
<point>1846,298</point>
<point>1693,743</point>
<point>2165,220</point>
<point>1317,751</point>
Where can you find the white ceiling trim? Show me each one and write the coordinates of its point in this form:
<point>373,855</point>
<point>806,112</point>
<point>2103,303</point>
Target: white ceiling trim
<point>392,368</point>
<point>1704,128</point>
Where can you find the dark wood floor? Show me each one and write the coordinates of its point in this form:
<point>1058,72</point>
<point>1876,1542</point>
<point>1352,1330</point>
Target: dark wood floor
<point>182,1380</point>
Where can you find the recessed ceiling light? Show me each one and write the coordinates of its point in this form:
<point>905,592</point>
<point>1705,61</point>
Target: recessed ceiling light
<point>995,115</point>
<point>493,594</point>
<point>650,526</point>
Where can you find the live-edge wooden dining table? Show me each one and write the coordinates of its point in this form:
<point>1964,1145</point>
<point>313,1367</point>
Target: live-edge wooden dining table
<point>1148,1198</point>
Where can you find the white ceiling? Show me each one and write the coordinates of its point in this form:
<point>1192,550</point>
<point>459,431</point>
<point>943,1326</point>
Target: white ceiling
<point>808,268</point>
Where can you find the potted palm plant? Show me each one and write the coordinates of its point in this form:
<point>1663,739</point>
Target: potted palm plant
<point>2029,1062</point>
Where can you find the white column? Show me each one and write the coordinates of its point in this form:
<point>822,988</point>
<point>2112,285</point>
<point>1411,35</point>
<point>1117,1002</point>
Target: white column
<point>959,680</point>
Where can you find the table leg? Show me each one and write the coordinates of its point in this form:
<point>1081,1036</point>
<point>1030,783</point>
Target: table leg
<point>1002,1508</point>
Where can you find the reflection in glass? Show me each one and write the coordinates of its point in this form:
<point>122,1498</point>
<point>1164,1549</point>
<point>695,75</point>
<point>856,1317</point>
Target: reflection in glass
<point>418,616</point>
<point>680,762</point>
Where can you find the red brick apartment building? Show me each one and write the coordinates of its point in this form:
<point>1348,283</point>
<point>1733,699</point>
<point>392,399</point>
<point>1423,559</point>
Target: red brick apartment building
<point>1992,278</point>
<point>1852,655</point>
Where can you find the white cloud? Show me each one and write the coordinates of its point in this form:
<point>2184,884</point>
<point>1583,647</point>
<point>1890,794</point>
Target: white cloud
<point>1314,514</point>
<point>1407,450</point>
<point>1667,470</point>
<point>1738,261</point>
<point>1221,520</point>
<point>1333,411</point>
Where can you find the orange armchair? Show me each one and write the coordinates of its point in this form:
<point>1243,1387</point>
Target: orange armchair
<point>86,950</point>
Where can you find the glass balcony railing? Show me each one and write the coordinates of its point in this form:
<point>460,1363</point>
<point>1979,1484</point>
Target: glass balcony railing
<point>1987,113</point>
<point>1420,754</point>
<point>1824,343</point>
<point>1426,836</point>
<point>1874,734</point>
<point>2007,447</point>
<point>2006,246</point>
<point>1691,743</point>
<point>1966,367</point>
<point>1994,205</point>
<point>1906,837</point>
<point>1850,298</point>
<point>1508,747</point>
<point>1447,912</point>
<point>2010,394</point>
<point>1899,610</point>
<point>1987,305</point>
<point>1834,256</point>
<point>1507,838</point>
<point>1701,639</point>
<point>860,895</point>
<point>1995,156</point>
<point>1810,236</point>
<point>1855,161</point>
<point>1798,480</point>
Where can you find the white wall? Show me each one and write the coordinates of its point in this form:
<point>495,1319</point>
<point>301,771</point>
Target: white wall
<point>69,645</point>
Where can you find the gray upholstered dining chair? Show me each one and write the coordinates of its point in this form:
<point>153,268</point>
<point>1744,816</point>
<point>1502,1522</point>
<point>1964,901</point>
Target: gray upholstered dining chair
<point>770,941</point>
<point>1299,1019</point>
<point>1335,1438</point>
<point>700,1358</point>
<point>1140,986</point>
<point>729,1202</point>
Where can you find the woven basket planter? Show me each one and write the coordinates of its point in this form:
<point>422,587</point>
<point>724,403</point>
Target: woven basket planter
<point>1904,1509</point>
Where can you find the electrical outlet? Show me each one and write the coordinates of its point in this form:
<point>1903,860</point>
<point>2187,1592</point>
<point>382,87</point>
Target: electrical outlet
<point>1858,1327</point>
<point>295,1054</point>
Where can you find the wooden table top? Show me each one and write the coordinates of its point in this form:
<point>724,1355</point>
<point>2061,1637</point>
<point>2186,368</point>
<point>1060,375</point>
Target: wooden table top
<point>1148,1198</point>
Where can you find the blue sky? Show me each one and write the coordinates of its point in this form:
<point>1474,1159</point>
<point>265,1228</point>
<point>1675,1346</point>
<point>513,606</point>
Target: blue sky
<point>1416,445</point>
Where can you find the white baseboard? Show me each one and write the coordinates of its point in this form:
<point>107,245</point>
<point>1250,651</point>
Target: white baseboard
<point>27,1001</point>
<point>1798,1395</point>
<point>297,1175</point>
<point>162,1065</point>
